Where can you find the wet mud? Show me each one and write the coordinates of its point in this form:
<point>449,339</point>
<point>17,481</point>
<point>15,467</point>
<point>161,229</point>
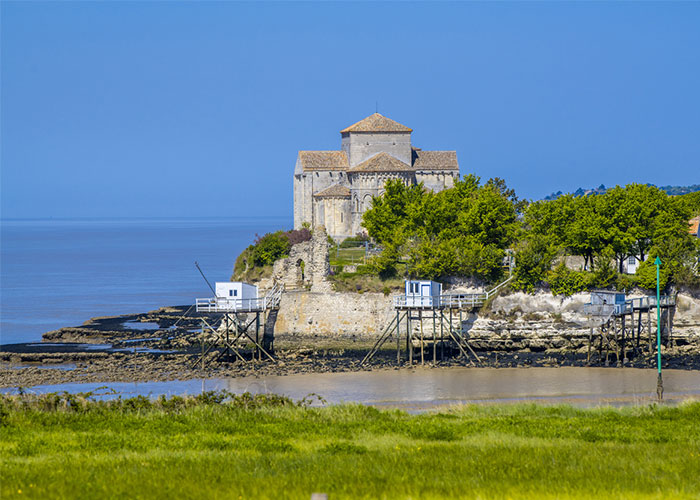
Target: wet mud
<point>165,344</point>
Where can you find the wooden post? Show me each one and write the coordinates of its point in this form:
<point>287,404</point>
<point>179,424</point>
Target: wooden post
<point>228,349</point>
<point>257,336</point>
<point>398,340</point>
<point>651,340</point>
<point>460,324</point>
<point>434,339</point>
<point>639,325</point>
<point>202,343</point>
<point>409,343</point>
<point>590,342</point>
<point>442,340</point>
<point>420,317</point>
<point>668,325</point>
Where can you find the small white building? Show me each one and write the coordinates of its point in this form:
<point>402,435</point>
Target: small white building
<point>235,290</point>
<point>236,295</point>
<point>630,264</point>
<point>423,293</point>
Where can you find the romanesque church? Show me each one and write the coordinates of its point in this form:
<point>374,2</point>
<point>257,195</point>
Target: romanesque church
<point>334,188</point>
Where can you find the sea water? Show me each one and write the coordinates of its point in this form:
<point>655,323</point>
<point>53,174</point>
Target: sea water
<point>56,273</point>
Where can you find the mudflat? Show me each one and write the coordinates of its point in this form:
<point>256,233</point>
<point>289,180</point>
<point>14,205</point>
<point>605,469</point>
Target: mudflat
<point>164,345</point>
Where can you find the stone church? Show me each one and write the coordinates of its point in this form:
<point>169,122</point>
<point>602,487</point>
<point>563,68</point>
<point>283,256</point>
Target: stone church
<point>334,188</point>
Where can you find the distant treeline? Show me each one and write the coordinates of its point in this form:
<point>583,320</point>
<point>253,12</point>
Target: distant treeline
<point>670,190</point>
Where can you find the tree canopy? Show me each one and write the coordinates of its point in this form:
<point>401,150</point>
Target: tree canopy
<point>464,230</point>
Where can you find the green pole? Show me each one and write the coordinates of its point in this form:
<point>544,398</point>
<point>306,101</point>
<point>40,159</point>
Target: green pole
<point>659,382</point>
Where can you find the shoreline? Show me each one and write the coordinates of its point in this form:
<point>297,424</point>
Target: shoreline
<point>161,345</point>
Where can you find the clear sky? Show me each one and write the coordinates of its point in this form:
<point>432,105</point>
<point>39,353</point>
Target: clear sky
<point>199,109</point>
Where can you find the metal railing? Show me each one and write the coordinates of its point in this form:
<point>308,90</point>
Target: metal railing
<point>629,306</point>
<point>450,300</point>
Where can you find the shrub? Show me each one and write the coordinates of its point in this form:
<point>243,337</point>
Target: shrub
<point>564,281</point>
<point>296,236</point>
<point>533,260</point>
<point>626,282</point>
<point>270,247</point>
<point>646,273</point>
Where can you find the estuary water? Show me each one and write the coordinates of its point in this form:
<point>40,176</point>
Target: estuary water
<point>422,389</point>
<point>61,272</point>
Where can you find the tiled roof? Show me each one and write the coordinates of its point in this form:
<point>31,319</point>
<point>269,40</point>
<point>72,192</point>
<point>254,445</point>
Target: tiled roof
<point>376,123</point>
<point>694,223</point>
<point>335,191</point>
<point>382,162</point>
<point>323,160</point>
<point>435,160</point>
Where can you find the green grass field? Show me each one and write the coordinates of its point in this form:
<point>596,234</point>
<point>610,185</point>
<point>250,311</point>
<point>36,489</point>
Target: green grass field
<point>245,447</point>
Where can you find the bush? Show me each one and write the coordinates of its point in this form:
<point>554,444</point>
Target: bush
<point>296,236</point>
<point>270,247</point>
<point>533,260</point>
<point>646,273</point>
<point>626,282</point>
<point>564,281</point>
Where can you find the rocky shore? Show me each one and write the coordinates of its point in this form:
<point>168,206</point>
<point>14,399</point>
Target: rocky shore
<point>165,345</point>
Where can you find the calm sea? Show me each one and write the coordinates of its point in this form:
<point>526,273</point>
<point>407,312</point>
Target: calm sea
<point>56,273</point>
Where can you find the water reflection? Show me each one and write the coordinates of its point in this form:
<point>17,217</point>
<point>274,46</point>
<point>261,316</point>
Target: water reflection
<point>425,388</point>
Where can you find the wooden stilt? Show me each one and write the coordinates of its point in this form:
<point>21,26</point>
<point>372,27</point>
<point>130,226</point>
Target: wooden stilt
<point>409,340</point>
<point>442,340</point>
<point>398,339</point>
<point>420,318</point>
<point>434,340</point>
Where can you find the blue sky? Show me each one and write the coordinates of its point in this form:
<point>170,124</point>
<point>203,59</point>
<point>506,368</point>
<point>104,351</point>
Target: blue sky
<point>199,109</point>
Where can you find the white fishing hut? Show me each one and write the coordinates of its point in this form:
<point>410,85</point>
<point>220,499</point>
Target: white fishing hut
<point>605,302</point>
<point>232,296</point>
<point>423,293</point>
<point>235,290</point>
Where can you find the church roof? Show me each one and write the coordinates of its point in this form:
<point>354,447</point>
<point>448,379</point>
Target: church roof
<point>376,123</point>
<point>435,160</point>
<point>382,162</point>
<point>323,160</point>
<point>335,191</point>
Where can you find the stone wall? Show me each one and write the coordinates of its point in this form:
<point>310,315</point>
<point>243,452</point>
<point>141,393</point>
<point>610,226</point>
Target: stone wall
<point>360,146</point>
<point>333,314</point>
<point>514,321</point>
<point>306,267</point>
<point>437,180</point>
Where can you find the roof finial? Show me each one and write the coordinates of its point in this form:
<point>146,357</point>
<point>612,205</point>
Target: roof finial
<point>376,106</point>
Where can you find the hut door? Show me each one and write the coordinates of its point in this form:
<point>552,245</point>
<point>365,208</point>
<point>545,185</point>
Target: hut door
<point>425,290</point>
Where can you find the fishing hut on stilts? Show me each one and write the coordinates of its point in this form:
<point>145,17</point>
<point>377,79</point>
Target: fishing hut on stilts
<point>428,325</point>
<point>235,319</point>
<point>626,327</point>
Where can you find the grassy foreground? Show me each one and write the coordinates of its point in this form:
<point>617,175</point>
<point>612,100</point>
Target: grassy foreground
<point>225,446</point>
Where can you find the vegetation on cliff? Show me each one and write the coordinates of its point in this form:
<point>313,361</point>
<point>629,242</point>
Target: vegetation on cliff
<point>256,261</point>
<point>221,445</point>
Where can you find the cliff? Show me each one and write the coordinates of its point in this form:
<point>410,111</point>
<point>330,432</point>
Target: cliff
<point>512,322</point>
